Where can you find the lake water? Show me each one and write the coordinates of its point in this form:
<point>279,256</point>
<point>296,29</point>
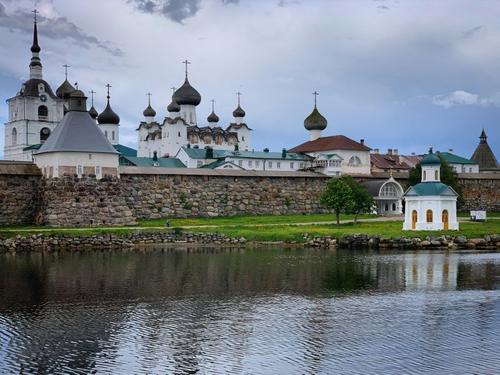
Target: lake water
<point>250,312</point>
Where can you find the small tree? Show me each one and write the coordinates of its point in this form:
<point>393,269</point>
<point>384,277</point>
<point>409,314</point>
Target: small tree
<point>448,177</point>
<point>338,196</point>
<point>362,200</point>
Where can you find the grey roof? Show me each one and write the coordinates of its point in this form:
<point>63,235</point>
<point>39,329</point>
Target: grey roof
<point>430,189</point>
<point>484,156</point>
<point>373,186</point>
<point>65,90</point>
<point>77,132</point>
<point>30,88</point>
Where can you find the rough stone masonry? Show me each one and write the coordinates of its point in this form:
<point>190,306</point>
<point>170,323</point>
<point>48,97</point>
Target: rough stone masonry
<point>27,198</point>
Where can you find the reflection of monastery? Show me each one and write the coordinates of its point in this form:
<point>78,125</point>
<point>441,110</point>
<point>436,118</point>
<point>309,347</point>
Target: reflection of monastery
<point>183,139</point>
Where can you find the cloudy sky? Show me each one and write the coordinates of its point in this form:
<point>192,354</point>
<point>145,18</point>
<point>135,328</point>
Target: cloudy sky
<point>400,74</point>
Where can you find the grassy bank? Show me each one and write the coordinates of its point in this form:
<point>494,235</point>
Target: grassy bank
<point>386,229</point>
<point>266,228</point>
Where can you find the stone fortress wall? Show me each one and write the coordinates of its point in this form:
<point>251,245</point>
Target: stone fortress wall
<point>147,193</point>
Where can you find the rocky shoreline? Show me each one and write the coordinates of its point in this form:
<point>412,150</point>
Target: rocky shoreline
<point>105,242</point>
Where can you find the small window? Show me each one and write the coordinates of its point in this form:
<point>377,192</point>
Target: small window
<point>106,134</point>
<point>41,87</point>
<point>270,164</point>
<point>428,216</point>
<point>425,175</point>
<point>436,174</point>
<point>470,170</point>
<point>44,134</point>
<point>179,134</point>
<point>257,163</point>
<point>191,117</point>
<point>301,165</point>
<point>199,164</point>
<point>243,138</point>
<point>90,156</point>
<point>354,161</point>
<point>43,112</point>
<point>291,165</point>
<point>240,163</point>
<point>394,206</point>
<point>14,137</point>
<point>250,163</point>
<point>113,135</point>
<point>98,171</point>
<point>79,170</point>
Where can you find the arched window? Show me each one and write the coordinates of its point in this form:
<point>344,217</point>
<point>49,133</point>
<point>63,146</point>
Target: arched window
<point>113,135</point>
<point>394,206</point>
<point>425,175</point>
<point>106,133</point>
<point>389,190</point>
<point>14,137</point>
<point>44,134</point>
<point>428,216</point>
<point>436,174</point>
<point>43,112</point>
<point>354,161</point>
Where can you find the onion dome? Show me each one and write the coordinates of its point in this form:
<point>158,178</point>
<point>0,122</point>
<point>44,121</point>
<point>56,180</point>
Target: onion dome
<point>149,111</point>
<point>64,90</point>
<point>187,94</point>
<point>239,112</point>
<point>108,116</point>
<point>315,121</point>
<point>212,117</point>
<point>430,159</point>
<point>174,106</point>
<point>93,112</point>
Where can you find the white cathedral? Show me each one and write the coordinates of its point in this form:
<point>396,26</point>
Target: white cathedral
<point>180,128</point>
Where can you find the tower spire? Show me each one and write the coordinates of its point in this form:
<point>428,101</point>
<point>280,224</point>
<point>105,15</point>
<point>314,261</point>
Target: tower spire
<point>35,64</point>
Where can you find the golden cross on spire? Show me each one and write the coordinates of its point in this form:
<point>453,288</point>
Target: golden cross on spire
<point>35,13</point>
<point>238,94</point>
<point>149,98</point>
<point>186,62</point>
<point>315,93</point>
<point>66,66</point>
<point>213,103</point>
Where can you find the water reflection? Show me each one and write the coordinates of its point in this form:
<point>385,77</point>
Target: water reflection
<point>235,311</point>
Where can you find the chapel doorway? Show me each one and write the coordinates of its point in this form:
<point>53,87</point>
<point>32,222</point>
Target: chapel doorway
<point>445,219</point>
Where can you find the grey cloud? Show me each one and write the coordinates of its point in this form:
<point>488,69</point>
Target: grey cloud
<point>58,28</point>
<point>285,3</point>
<point>175,10</point>
<point>383,7</point>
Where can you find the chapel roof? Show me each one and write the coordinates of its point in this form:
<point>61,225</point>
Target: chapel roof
<point>430,189</point>
<point>334,142</point>
<point>484,156</point>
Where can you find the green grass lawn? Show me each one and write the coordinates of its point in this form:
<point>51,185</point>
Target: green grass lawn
<point>258,227</point>
<point>386,229</point>
<point>245,220</point>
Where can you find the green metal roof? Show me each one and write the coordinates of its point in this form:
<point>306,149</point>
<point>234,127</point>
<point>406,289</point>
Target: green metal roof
<point>430,188</point>
<point>124,150</point>
<point>219,163</point>
<point>430,159</point>
<point>149,162</point>
<point>454,159</point>
<point>200,153</point>
<point>33,147</point>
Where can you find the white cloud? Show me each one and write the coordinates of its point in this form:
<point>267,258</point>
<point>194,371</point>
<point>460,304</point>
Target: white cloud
<point>461,97</point>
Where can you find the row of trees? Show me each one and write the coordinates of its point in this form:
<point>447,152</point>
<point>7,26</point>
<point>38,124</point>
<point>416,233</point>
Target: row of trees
<point>345,195</point>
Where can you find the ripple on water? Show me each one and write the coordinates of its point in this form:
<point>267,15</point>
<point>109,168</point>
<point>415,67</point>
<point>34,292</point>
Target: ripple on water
<point>417,329</point>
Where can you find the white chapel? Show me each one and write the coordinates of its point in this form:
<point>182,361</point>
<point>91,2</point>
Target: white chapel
<point>430,204</point>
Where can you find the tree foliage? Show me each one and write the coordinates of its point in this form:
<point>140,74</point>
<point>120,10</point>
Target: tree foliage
<point>448,177</point>
<point>345,195</point>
